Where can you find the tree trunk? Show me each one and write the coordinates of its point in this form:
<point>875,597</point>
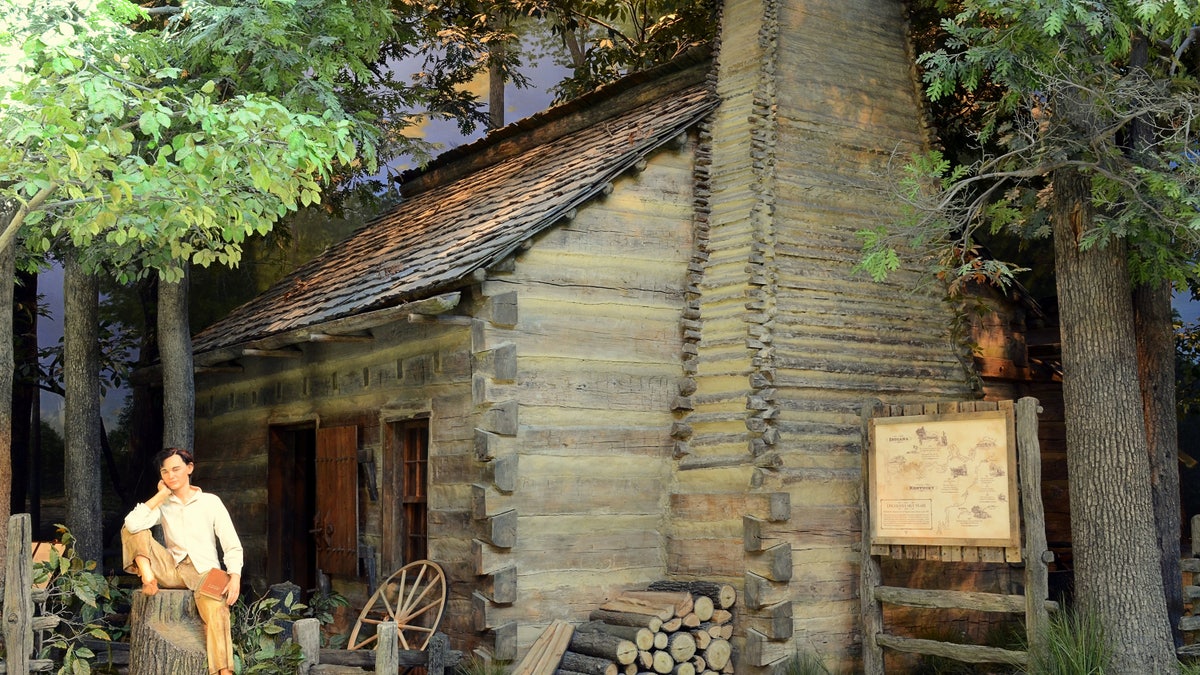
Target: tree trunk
<point>1155,333</point>
<point>175,349</point>
<point>166,635</point>
<point>1156,374</point>
<point>81,429</point>
<point>1112,518</point>
<point>25,388</point>
<point>7,363</point>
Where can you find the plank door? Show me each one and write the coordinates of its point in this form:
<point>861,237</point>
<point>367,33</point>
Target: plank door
<point>335,524</point>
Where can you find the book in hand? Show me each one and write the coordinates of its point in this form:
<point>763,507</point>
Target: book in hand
<point>213,583</point>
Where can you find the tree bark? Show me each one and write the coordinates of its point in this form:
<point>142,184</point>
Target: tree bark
<point>81,428</point>
<point>175,349</point>
<point>7,363</point>
<point>1112,517</point>
<point>1155,334</point>
<point>1156,374</point>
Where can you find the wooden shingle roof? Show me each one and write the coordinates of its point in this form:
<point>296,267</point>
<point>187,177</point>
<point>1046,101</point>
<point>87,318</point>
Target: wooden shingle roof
<point>462,220</point>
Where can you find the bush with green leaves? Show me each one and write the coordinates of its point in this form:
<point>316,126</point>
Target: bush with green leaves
<point>86,603</point>
<point>261,628</point>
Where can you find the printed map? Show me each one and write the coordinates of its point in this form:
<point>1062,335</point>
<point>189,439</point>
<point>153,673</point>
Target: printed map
<point>946,479</point>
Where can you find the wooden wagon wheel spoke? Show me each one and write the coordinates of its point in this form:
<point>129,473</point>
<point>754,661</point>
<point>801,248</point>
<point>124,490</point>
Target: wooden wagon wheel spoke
<point>414,596</point>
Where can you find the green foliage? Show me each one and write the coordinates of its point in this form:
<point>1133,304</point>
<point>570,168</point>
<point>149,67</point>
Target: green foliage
<point>85,602</point>
<point>598,40</point>
<point>259,629</point>
<point>1187,369</point>
<point>1075,646</point>
<point>109,146</point>
<point>1051,86</point>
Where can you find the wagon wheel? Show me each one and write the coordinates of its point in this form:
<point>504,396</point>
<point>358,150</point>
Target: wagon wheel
<point>414,597</point>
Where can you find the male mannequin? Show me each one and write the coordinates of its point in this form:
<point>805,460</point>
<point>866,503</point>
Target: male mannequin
<point>193,522</point>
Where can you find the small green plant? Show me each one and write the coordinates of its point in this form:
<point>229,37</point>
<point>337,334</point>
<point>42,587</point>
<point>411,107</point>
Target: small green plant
<point>1075,645</point>
<point>85,603</point>
<point>259,629</point>
<point>803,663</point>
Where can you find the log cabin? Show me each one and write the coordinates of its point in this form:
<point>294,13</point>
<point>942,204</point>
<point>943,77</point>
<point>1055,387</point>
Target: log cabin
<point>623,340</point>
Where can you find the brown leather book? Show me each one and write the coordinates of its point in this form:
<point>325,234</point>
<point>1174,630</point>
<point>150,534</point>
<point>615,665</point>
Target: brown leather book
<point>213,583</point>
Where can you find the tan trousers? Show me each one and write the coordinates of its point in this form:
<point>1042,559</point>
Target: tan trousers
<point>213,612</point>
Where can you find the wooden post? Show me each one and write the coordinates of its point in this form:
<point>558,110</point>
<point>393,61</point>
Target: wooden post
<point>18,595</point>
<point>387,650</point>
<point>870,575</point>
<point>1037,555</point>
<point>307,634</point>
<point>436,652</point>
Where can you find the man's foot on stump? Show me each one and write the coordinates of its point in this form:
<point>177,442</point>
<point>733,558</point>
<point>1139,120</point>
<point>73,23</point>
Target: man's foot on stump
<point>149,586</point>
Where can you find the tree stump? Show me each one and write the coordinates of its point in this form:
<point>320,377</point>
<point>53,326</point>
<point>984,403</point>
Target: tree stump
<point>166,635</point>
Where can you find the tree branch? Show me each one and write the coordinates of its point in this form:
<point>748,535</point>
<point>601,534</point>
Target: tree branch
<point>14,224</point>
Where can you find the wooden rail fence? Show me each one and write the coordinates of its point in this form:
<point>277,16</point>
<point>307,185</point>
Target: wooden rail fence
<point>1034,554</point>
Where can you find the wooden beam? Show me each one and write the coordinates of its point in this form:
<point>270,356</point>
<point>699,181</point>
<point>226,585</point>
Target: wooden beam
<point>273,353</point>
<point>330,337</point>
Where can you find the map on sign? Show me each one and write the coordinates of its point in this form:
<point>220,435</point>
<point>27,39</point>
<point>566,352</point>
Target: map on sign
<point>944,480</point>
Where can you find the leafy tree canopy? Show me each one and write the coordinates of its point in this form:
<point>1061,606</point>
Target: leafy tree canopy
<point>112,144</point>
<point>1105,88</point>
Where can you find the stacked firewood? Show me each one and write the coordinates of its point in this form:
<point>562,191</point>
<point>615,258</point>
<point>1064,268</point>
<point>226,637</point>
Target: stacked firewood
<point>680,628</point>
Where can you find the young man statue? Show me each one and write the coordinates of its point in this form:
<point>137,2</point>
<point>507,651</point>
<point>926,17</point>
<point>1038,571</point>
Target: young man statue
<point>193,522</point>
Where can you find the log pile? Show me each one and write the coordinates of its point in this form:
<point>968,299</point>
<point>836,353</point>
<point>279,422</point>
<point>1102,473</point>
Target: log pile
<point>672,627</point>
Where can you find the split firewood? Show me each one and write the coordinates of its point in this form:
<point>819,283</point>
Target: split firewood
<point>642,637</point>
<point>589,665</point>
<point>645,659</point>
<point>682,600</point>
<point>684,669</point>
<point>726,631</point>
<point>663,663</point>
<point>672,625</point>
<point>546,651</point>
<point>691,620</point>
<point>560,671</point>
<point>699,663</point>
<point>718,654</point>
<point>635,606</point>
<point>722,616</point>
<point>603,645</point>
<point>724,595</point>
<point>682,646</point>
<point>632,669</point>
<point>626,619</point>
<point>702,638</point>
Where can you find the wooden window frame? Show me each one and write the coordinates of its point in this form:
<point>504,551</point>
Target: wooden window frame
<point>405,491</point>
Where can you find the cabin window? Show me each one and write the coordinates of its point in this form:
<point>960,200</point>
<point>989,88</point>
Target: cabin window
<point>406,482</point>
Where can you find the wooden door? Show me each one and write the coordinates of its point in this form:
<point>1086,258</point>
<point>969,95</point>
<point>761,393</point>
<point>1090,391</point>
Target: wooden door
<point>335,524</point>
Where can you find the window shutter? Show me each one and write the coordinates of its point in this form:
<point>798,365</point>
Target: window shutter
<point>336,523</point>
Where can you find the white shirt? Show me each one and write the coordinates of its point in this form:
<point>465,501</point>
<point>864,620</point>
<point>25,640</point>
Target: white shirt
<point>192,528</point>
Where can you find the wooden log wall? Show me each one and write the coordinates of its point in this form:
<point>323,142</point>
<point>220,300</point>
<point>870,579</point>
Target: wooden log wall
<point>785,336</point>
<point>406,369</point>
<point>572,501</point>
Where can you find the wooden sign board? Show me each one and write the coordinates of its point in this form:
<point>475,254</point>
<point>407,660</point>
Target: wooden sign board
<point>948,480</point>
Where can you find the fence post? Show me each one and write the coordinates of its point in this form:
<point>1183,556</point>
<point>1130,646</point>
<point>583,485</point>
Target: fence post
<point>1037,555</point>
<point>436,652</point>
<point>387,651</point>
<point>307,634</point>
<point>18,595</point>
